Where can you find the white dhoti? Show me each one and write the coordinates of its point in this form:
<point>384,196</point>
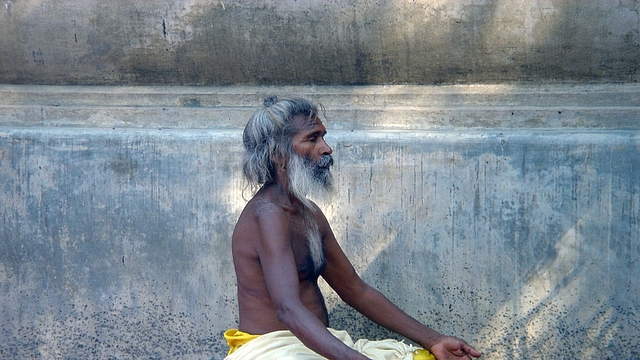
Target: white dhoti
<point>283,345</point>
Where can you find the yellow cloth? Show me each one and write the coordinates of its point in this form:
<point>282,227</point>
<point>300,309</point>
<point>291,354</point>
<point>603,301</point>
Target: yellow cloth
<point>283,345</point>
<point>236,338</point>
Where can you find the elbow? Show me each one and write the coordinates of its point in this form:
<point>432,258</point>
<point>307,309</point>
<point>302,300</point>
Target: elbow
<point>283,316</point>
<point>286,314</point>
<point>294,316</point>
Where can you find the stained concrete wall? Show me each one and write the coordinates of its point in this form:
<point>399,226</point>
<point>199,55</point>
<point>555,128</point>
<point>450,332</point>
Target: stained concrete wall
<point>508,215</point>
<point>201,42</point>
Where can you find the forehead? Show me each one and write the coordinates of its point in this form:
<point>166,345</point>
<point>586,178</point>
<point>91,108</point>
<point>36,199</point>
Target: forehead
<point>305,123</point>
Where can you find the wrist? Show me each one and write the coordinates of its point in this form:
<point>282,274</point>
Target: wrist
<point>432,339</point>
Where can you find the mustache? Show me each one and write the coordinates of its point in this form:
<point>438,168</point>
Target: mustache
<point>325,161</point>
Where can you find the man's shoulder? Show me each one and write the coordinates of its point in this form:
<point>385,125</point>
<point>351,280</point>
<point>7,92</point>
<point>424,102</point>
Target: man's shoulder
<point>259,212</point>
<point>261,204</point>
<point>262,208</point>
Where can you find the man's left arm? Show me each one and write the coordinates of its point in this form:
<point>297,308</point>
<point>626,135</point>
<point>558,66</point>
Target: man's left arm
<point>342,277</point>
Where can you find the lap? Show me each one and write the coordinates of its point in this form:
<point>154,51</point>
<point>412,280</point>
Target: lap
<point>283,345</point>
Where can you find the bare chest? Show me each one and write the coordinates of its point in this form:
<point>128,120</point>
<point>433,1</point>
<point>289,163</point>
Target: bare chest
<point>307,247</point>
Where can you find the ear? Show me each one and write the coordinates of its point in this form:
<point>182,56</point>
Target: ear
<point>279,160</point>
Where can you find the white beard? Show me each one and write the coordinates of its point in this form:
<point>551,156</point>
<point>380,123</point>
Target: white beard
<point>308,179</point>
<point>311,179</point>
<point>316,249</point>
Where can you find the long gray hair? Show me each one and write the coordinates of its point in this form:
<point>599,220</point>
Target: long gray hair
<point>267,136</point>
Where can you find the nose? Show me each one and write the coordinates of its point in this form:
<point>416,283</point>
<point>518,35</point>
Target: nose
<point>325,149</point>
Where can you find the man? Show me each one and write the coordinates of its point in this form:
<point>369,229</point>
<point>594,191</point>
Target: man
<point>282,243</point>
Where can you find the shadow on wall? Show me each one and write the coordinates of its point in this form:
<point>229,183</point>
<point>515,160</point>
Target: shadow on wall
<point>523,244</point>
<point>393,42</point>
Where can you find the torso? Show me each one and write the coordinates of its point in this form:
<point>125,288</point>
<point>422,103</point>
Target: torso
<point>257,313</point>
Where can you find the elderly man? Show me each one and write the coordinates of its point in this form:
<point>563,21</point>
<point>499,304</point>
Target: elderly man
<point>282,243</point>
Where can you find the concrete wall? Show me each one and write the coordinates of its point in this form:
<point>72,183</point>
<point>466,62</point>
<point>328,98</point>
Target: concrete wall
<point>201,42</point>
<point>508,215</point>
<point>504,213</point>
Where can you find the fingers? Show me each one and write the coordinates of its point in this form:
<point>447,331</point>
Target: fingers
<point>457,349</point>
<point>467,352</point>
<point>471,351</point>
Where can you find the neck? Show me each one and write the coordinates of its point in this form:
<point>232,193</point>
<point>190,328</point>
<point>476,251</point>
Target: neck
<point>282,194</point>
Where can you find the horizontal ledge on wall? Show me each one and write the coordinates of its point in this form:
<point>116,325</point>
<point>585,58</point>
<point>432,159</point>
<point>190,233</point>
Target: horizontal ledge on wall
<point>598,106</point>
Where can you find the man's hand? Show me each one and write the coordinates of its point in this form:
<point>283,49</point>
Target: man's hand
<point>451,348</point>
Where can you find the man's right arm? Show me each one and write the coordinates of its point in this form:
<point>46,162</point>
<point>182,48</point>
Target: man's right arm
<point>281,276</point>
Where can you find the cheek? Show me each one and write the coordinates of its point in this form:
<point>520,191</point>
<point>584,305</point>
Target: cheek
<point>297,148</point>
<point>303,149</point>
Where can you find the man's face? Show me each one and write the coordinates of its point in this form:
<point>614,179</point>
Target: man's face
<point>311,160</point>
<point>308,141</point>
